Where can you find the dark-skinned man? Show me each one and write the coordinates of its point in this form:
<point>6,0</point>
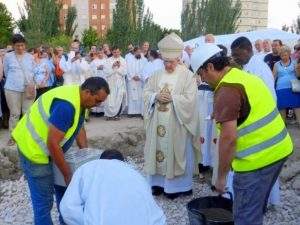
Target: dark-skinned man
<point>46,132</point>
<point>253,141</point>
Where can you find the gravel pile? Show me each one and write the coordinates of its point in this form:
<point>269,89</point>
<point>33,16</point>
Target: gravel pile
<point>15,207</point>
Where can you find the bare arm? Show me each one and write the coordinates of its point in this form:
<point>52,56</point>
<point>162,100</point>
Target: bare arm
<point>227,146</point>
<point>55,136</point>
<point>81,139</point>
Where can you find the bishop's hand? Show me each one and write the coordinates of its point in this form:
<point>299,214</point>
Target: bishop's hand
<point>163,97</point>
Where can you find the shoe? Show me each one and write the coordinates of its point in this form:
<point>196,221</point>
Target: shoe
<point>172,196</point>
<point>156,190</point>
<point>202,168</point>
<point>187,193</point>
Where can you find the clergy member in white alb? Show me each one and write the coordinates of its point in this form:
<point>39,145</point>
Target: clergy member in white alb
<point>135,66</point>
<point>115,71</point>
<point>153,65</point>
<point>171,122</point>
<point>109,192</point>
<point>97,64</point>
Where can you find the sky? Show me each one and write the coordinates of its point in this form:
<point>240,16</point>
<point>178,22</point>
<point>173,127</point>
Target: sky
<point>167,12</point>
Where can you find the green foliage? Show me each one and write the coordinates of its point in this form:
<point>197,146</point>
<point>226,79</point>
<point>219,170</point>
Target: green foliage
<point>6,25</point>
<point>90,37</point>
<point>210,16</point>
<point>39,21</point>
<point>132,25</point>
<point>61,40</point>
<point>70,21</point>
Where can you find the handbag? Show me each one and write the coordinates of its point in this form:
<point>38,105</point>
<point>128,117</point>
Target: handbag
<point>295,85</point>
<point>30,90</point>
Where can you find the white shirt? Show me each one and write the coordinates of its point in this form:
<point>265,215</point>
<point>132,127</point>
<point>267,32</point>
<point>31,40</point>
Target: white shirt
<point>135,67</point>
<point>109,192</point>
<point>152,67</point>
<point>94,67</point>
<point>258,67</point>
<point>186,59</point>
<point>64,64</point>
<point>128,56</point>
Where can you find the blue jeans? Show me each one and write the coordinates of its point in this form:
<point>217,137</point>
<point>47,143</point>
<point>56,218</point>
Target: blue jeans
<point>59,193</point>
<point>251,193</point>
<point>41,185</point>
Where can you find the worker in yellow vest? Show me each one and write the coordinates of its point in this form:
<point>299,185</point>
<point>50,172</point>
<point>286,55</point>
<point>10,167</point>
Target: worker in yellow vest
<point>253,141</point>
<point>46,132</point>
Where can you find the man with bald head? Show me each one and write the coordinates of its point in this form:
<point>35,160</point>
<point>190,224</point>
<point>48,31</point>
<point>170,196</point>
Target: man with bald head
<point>258,46</point>
<point>209,38</point>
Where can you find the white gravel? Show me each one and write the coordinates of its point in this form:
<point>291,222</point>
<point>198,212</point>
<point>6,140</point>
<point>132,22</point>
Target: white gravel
<point>15,207</point>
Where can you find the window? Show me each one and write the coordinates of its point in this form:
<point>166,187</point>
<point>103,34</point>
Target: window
<point>103,17</point>
<point>103,27</point>
<point>94,17</point>
<point>102,6</point>
<point>94,6</point>
<point>65,6</point>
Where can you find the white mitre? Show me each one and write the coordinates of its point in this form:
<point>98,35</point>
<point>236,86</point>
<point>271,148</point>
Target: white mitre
<point>171,46</point>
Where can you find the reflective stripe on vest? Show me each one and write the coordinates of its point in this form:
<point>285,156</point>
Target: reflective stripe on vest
<point>45,117</point>
<point>262,146</point>
<point>258,124</point>
<point>39,141</point>
<point>33,132</point>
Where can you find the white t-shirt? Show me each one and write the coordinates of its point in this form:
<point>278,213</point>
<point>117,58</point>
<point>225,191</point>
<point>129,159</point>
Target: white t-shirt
<point>109,192</point>
<point>258,67</point>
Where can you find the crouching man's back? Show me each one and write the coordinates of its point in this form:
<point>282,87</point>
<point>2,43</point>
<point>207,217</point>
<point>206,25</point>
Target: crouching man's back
<point>109,192</point>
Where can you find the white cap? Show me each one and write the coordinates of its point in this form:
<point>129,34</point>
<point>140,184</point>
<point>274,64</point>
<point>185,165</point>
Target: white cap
<point>171,46</point>
<point>202,54</point>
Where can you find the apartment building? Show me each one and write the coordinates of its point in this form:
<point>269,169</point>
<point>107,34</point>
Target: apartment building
<point>254,14</point>
<point>90,13</point>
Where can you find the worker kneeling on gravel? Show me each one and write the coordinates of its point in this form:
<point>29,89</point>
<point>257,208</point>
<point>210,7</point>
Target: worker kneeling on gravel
<point>46,132</point>
<point>112,194</point>
<point>253,138</point>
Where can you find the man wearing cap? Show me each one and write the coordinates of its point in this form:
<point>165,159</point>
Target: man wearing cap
<point>253,141</point>
<point>171,120</point>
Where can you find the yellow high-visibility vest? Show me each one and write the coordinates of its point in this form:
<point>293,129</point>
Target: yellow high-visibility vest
<point>262,138</point>
<point>31,132</point>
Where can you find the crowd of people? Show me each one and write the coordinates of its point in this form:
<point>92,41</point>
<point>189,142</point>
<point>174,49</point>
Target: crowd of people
<point>182,94</point>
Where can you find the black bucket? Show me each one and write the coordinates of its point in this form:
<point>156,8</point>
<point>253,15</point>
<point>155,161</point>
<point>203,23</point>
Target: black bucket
<point>211,210</point>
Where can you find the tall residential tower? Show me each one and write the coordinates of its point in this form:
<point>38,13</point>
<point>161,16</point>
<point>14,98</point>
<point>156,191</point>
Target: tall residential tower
<point>254,14</point>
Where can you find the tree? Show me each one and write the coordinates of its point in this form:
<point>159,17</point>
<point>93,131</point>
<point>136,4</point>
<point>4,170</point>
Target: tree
<point>39,21</point>
<point>122,32</point>
<point>222,16</point>
<point>90,38</point>
<point>70,21</point>
<point>6,25</point>
<point>210,16</point>
<point>61,40</point>
<point>136,28</point>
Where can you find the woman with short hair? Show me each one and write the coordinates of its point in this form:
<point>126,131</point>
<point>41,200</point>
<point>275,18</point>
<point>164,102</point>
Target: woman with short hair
<point>18,69</point>
<point>284,72</point>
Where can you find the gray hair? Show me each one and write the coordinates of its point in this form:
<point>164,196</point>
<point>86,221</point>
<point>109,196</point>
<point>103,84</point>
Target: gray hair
<point>285,49</point>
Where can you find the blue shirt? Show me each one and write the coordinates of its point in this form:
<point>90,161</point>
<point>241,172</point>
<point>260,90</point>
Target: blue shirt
<point>15,77</point>
<point>41,70</point>
<point>62,117</point>
<point>285,74</point>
